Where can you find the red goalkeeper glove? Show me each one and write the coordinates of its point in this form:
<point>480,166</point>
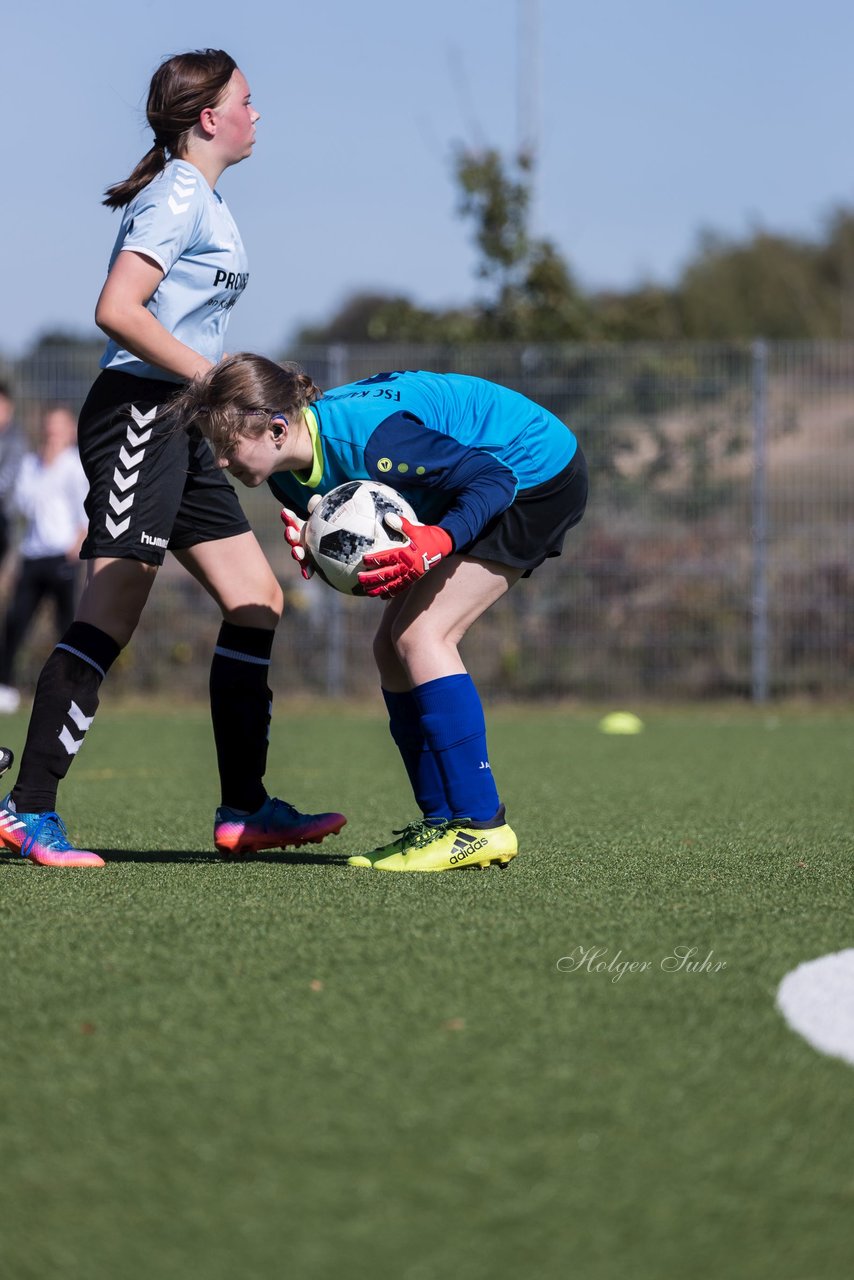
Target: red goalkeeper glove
<point>295,537</point>
<point>392,571</point>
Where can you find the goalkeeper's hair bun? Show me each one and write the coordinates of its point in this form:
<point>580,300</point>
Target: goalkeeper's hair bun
<point>240,396</point>
<point>304,390</point>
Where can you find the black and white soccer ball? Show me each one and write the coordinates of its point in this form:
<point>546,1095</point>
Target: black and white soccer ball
<point>347,523</point>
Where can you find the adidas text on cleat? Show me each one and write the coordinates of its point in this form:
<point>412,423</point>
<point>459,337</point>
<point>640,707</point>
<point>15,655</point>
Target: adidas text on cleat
<point>406,836</point>
<point>42,838</point>
<point>276,825</point>
<point>458,844</point>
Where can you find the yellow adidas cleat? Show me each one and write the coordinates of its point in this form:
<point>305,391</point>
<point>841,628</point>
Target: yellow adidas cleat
<point>406,836</point>
<point>453,846</point>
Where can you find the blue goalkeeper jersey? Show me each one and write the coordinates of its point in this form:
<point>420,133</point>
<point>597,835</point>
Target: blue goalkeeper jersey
<point>186,228</point>
<point>457,448</point>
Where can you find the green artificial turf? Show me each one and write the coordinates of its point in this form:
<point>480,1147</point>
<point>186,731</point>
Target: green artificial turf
<point>293,1068</point>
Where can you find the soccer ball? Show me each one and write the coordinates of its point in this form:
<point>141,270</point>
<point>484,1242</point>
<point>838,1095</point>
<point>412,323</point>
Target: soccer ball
<point>347,523</point>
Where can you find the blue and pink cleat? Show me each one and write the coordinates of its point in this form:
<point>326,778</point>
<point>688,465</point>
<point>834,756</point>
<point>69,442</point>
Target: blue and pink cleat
<point>39,837</point>
<point>42,838</point>
<point>276,825</point>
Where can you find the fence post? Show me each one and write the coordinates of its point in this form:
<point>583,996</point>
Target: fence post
<point>337,367</point>
<point>759,536</point>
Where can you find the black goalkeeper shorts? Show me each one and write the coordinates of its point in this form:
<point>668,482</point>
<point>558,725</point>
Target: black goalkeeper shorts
<point>535,524</point>
<point>151,488</point>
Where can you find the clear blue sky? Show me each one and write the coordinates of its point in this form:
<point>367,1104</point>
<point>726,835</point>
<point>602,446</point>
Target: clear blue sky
<point>654,120</point>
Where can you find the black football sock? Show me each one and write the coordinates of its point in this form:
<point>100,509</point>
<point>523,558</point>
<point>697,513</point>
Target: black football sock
<point>63,709</point>
<point>241,707</point>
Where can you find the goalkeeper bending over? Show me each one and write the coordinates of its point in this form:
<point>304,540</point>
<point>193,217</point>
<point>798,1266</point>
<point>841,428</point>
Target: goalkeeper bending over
<point>496,480</point>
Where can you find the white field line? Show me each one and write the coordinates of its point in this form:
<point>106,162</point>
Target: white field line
<point>817,1001</point>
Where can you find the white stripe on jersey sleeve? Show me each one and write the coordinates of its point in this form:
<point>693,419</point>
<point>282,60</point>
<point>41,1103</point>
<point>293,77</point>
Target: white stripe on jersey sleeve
<point>148,253</point>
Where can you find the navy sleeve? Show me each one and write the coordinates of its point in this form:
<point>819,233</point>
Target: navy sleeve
<point>404,451</point>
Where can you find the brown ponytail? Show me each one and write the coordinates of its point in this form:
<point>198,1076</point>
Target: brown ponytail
<point>240,396</point>
<point>181,88</point>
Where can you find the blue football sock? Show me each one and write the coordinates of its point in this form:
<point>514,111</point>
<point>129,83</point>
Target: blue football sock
<point>453,724</point>
<point>418,760</point>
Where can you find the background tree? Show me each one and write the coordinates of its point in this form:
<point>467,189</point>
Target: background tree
<point>530,294</point>
<point>765,284</point>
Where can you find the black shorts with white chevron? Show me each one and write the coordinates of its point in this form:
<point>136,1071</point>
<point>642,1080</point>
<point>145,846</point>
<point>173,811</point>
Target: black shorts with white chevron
<point>151,488</point>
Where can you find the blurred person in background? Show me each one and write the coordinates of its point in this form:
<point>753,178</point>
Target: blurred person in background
<point>49,493</point>
<point>12,449</point>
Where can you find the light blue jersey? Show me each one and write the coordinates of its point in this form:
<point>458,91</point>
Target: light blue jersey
<point>475,413</point>
<point>458,448</point>
<point>185,228</point>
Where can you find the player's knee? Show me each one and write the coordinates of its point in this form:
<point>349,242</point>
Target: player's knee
<point>259,605</point>
<point>412,639</point>
<point>276,601</point>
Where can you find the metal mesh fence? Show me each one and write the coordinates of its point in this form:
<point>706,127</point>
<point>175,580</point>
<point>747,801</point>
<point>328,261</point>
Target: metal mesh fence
<point>715,558</point>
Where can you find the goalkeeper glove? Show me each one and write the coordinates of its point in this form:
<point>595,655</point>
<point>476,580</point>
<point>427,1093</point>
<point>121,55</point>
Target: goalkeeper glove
<point>393,570</point>
<point>295,537</point>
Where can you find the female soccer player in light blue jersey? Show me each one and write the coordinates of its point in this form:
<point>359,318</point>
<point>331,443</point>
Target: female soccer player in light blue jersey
<point>496,482</point>
<point>177,269</point>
